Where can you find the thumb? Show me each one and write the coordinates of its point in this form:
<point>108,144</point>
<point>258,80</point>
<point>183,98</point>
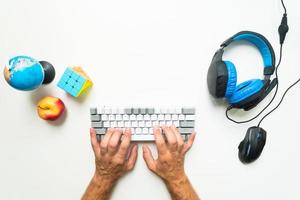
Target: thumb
<point>147,155</point>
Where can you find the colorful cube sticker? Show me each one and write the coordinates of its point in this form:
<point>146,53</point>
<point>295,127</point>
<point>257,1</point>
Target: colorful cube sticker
<point>74,81</point>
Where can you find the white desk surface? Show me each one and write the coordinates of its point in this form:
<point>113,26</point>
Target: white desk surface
<point>144,53</point>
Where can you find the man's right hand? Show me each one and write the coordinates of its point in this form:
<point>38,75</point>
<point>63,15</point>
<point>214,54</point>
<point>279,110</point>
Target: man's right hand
<point>170,162</point>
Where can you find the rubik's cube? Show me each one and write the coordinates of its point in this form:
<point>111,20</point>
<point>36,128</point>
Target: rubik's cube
<point>74,81</point>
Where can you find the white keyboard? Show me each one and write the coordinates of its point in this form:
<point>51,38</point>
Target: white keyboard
<point>142,120</point>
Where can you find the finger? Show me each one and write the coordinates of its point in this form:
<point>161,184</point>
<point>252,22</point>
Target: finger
<point>179,139</point>
<point>171,138</point>
<point>114,142</point>
<point>94,142</point>
<point>132,158</point>
<point>147,155</point>
<point>189,143</point>
<point>124,146</point>
<point>104,142</point>
<point>159,141</point>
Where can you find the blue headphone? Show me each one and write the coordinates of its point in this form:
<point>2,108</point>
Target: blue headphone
<point>222,75</point>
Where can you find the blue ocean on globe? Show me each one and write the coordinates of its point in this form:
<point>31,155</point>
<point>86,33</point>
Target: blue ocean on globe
<point>24,73</point>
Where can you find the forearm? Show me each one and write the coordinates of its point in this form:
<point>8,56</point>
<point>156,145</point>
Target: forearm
<point>98,189</point>
<point>181,189</point>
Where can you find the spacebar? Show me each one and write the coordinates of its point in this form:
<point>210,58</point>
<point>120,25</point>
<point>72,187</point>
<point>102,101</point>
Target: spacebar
<point>142,138</point>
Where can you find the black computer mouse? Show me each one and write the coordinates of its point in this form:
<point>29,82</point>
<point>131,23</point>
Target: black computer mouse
<point>252,145</point>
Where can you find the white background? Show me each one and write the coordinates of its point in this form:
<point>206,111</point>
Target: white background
<point>144,53</point>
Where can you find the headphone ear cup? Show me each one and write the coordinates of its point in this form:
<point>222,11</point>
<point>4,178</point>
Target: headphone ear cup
<point>245,91</point>
<point>232,78</point>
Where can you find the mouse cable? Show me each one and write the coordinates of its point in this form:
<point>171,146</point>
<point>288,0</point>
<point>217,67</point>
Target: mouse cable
<point>283,29</point>
<point>286,91</point>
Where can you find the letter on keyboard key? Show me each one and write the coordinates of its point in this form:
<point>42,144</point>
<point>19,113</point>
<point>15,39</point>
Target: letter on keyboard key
<point>190,124</point>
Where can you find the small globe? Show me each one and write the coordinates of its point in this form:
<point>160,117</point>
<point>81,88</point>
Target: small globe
<point>24,73</point>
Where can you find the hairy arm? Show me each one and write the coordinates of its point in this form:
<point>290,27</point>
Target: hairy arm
<point>112,162</point>
<point>181,189</point>
<point>169,165</point>
<point>98,189</point>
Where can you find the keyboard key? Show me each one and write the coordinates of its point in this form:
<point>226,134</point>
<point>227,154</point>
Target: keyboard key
<point>140,117</point>
<point>127,124</point>
<point>107,111</point>
<point>190,117</point>
<point>181,117</point>
<point>143,111</point>
<point>148,124</point>
<point>95,118</point>
<point>176,123</point>
<point>167,117</point>
<point>134,124</point>
<point>119,117</point>
<point>97,124</point>
<point>104,117</point>
<point>125,117</point>
<point>186,130</point>
<point>150,111</point>
<point>138,131</point>
<point>141,124</point>
<point>153,117</point>
<point>188,111</point>
<point>161,117</point>
<point>106,124</point>
<point>145,130</point>
<point>187,124</point>
<point>113,124</point>
<point>128,111</point>
<point>100,131</point>
<point>111,117</point>
<point>135,111</point>
<point>132,117</point>
<point>147,117</point>
<point>143,137</point>
<point>120,124</point>
<point>93,111</point>
<point>174,117</point>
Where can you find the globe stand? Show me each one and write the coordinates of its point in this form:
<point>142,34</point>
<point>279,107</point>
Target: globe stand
<point>49,72</point>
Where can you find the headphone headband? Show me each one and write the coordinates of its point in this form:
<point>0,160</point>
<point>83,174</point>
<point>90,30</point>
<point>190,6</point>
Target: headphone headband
<point>261,43</point>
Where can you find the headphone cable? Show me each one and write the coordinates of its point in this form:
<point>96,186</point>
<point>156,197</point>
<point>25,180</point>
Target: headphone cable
<point>283,29</point>
<point>275,93</point>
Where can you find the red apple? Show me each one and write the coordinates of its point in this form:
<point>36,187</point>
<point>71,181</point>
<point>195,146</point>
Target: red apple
<point>50,108</point>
